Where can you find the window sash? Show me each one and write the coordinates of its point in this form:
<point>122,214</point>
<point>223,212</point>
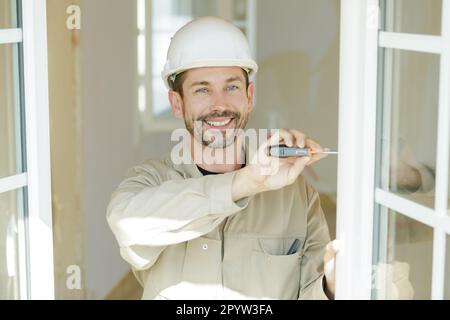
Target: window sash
<point>35,223</point>
<point>357,181</point>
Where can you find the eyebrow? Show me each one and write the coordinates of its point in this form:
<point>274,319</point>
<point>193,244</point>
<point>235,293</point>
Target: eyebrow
<point>200,83</point>
<point>232,79</point>
<point>206,83</point>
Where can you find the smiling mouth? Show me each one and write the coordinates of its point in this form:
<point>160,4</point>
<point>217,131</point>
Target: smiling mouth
<point>219,124</point>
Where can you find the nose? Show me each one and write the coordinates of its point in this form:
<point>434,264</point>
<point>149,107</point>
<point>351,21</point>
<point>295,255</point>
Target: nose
<point>219,102</point>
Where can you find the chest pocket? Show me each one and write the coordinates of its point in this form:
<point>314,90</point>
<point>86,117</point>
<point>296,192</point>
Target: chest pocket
<point>273,273</point>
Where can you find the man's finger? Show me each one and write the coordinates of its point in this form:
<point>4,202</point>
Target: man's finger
<point>316,148</point>
<point>287,137</point>
<point>300,138</point>
<point>310,143</point>
<point>281,135</point>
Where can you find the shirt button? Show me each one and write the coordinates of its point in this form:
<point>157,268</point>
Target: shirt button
<point>205,246</point>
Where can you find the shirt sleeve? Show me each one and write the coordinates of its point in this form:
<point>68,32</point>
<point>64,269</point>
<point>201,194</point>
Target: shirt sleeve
<point>317,237</point>
<point>427,177</point>
<point>147,215</point>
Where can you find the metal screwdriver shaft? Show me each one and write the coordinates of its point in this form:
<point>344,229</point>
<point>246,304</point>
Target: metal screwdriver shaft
<point>283,151</point>
<point>326,152</point>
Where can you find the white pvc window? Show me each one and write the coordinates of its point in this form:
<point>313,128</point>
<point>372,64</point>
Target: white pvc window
<point>393,172</point>
<point>418,220</point>
<point>157,21</point>
<point>26,269</point>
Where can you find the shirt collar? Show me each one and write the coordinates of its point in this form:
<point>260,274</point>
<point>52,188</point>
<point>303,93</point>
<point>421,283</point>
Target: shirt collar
<point>190,170</point>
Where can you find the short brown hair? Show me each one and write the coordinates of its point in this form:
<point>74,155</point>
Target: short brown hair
<point>177,84</point>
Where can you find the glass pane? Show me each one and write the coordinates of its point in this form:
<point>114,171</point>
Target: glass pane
<point>447,271</point>
<point>409,124</point>
<point>170,15</point>
<point>161,107</point>
<point>10,115</point>
<point>204,8</point>
<point>404,262</point>
<point>240,10</point>
<point>11,206</point>
<point>413,16</point>
<point>8,14</point>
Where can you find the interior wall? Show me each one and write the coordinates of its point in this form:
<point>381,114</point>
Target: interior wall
<point>66,150</point>
<point>109,144</point>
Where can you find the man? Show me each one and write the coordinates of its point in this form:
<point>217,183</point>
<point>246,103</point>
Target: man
<point>221,230</point>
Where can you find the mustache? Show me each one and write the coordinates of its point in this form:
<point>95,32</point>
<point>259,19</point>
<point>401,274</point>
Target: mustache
<point>220,114</point>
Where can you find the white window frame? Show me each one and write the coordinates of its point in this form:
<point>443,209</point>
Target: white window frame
<point>357,131</point>
<point>35,235</point>
<point>357,195</point>
<point>149,122</point>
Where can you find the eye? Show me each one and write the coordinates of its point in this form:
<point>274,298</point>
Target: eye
<point>201,90</point>
<point>232,87</point>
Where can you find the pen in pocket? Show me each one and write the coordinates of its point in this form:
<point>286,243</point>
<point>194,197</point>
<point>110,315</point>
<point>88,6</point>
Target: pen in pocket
<point>294,247</point>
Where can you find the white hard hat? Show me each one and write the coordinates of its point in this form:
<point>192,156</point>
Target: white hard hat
<point>207,42</point>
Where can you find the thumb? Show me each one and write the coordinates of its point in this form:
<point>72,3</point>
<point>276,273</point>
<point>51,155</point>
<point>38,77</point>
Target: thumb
<point>333,247</point>
<point>330,254</point>
<point>329,258</point>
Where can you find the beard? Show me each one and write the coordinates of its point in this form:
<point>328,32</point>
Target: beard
<point>216,138</point>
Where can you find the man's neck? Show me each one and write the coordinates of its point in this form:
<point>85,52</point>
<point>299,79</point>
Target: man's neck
<point>223,160</point>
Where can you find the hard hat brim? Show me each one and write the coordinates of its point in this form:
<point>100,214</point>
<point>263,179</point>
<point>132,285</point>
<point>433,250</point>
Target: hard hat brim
<point>245,64</point>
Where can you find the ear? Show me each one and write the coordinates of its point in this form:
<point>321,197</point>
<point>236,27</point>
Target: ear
<point>176,103</point>
<point>250,95</point>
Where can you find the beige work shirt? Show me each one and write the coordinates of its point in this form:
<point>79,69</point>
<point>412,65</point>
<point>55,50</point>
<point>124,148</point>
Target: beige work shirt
<point>185,237</point>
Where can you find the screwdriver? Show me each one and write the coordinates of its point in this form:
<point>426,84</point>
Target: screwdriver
<point>283,151</point>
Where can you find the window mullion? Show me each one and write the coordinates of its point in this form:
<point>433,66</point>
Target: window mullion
<point>412,42</point>
<point>10,36</point>
<point>412,210</point>
<point>438,269</point>
<point>13,182</point>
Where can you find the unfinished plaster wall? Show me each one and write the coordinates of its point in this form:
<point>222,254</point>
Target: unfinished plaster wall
<point>109,106</point>
<point>66,133</point>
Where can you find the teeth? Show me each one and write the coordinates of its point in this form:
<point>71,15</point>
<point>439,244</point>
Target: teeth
<point>218,123</point>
